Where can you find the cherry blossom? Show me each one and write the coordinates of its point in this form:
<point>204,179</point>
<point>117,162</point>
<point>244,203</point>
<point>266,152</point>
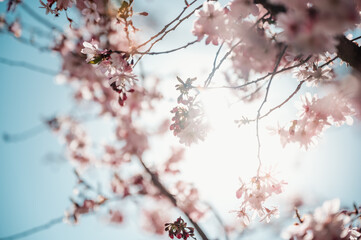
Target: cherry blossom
<point>92,51</point>
<point>325,223</point>
<point>211,22</point>
<point>101,60</point>
<point>316,114</point>
<point>255,193</point>
<point>91,12</point>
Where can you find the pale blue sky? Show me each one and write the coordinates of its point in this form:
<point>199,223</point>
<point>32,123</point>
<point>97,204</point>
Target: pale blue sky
<point>33,190</point>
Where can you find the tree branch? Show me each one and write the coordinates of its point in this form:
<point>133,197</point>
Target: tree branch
<point>346,50</point>
<point>171,198</point>
<point>34,229</point>
<point>264,101</point>
<point>168,51</point>
<point>29,66</point>
<point>39,18</point>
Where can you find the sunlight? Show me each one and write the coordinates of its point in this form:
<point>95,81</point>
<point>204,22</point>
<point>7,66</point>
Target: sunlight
<point>229,152</point>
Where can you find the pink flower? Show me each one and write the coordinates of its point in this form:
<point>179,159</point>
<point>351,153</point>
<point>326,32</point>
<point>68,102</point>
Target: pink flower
<point>211,22</point>
<point>327,222</point>
<point>254,195</point>
<point>316,114</point>
<point>90,12</point>
<point>91,50</point>
<point>15,28</point>
<point>243,8</point>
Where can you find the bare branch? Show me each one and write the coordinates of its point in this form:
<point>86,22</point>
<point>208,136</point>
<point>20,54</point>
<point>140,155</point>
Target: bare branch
<point>285,101</point>
<point>39,18</point>
<point>166,26</point>
<point>264,101</point>
<point>29,66</point>
<point>214,69</point>
<point>24,135</point>
<point>168,51</point>
<point>165,32</point>
<point>34,230</point>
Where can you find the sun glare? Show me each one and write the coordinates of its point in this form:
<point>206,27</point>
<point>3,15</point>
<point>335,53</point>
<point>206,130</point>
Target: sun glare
<point>230,152</point>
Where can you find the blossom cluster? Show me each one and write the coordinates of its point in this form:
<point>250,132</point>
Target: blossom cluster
<point>316,114</point>
<point>77,141</point>
<point>179,229</point>
<point>115,67</point>
<point>188,121</point>
<point>86,206</point>
<point>327,222</point>
<point>50,7</point>
<point>254,36</point>
<point>311,27</point>
<point>254,195</point>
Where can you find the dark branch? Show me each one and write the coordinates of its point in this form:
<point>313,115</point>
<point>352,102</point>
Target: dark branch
<point>349,52</point>
<point>171,198</point>
<point>39,18</point>
<point>29,66</point>
<point>34,229</point>
<point>24,135</point>
<point>346,50</point>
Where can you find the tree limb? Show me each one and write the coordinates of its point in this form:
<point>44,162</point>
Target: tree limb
<point>347,50</point>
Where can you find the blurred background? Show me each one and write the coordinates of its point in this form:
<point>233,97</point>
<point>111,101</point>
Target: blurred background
<point>36,180</point>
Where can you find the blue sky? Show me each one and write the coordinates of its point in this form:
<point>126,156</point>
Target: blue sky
<point>34,190</point>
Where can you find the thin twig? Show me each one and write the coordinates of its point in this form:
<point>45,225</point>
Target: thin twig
<point>210,76</point>
<point>168,51</point>
<point>263,77</point>
<point>167,31</point>
<point>24,135</point>
<point>34,230</point>
<point>166,26</point>
<point>298,215</point>
<point>260,108</point>
<point>27,65</point>
<point>39,18</point>
<point>285,101</point>
<point>215,68</point>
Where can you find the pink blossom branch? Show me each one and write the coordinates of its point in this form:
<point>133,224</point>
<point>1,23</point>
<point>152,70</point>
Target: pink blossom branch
<point>265,76</point>
<point>293,93</point>
<point>162,189</point>
<point>29,66</point>
<point>260,108</point>
<point>57,220</point>
<point>215,68</point>
<point>346,50</point>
